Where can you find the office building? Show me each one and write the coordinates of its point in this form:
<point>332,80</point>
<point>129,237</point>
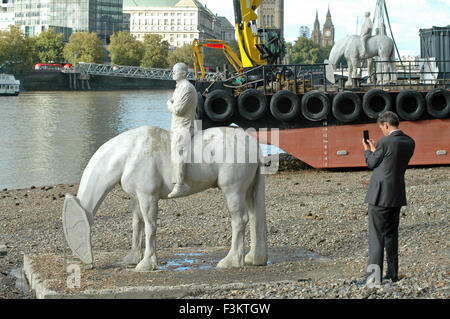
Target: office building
<point>305,32</point>
<point>177,21</point>
<point>103,17</point>
<point>6,14</point>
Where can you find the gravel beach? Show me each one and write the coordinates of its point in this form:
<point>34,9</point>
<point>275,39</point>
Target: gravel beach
<point>320,211</point>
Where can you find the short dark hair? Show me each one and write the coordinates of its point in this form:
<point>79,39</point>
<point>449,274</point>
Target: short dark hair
<point>389,117</point>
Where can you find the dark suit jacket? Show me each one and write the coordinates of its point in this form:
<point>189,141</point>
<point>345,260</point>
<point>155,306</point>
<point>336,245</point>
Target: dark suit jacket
<point>389,162</point>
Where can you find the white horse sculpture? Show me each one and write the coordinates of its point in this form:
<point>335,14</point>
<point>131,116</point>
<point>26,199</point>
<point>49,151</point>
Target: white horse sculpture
<point>352,49</point>
<point>140,161</point>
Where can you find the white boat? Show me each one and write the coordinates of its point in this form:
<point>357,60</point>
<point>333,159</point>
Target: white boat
<point>9,85</point>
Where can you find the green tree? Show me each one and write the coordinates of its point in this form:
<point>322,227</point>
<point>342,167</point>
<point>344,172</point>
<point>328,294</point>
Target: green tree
<point>156,52</point>
<point>305,51</point>
<point>126,49</point>
<point>17,54</point>
<point>183,54</point>
<point>88,46</point>
<point>49,46</point>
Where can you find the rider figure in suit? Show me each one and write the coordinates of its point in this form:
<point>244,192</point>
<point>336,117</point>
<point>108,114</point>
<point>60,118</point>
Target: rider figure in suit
<point>389,159</point>
<point>182,106</point>
<point>366,32</point>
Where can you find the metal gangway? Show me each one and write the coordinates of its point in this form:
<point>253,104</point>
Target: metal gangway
<point>87,69</point>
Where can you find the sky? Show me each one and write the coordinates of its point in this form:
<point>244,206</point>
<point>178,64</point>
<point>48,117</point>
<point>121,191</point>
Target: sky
<point>406,16</point>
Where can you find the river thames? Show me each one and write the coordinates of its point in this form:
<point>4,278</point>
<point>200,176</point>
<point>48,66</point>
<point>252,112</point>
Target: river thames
<point>47,138</point>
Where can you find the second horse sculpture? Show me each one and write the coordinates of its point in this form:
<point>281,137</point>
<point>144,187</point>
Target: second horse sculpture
<point>140,161</point>
<point>352,49</point>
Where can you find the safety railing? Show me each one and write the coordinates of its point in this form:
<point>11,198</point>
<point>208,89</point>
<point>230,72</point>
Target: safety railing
<point>131,71</point>
<point>298,78</point>
<point>417,73</point>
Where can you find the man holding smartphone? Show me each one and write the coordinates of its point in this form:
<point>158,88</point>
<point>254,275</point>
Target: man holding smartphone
<point>389,159</point>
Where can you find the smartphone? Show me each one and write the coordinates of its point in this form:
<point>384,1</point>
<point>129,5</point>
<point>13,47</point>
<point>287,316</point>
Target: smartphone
<point>366,136</point>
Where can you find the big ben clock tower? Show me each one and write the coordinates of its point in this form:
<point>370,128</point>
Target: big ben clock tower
<point>328,31</point>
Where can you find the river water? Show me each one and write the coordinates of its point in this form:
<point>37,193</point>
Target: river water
<point>47,138</point>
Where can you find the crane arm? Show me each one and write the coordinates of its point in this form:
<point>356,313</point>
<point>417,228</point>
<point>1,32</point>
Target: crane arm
<point>214,44</point>
<point>247,32</point>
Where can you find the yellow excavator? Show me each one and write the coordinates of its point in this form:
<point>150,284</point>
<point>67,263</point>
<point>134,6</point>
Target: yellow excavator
<point>257,46</point>
<point>214,44</point>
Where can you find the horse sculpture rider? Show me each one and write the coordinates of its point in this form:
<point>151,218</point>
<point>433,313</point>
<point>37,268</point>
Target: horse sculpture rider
<point>366,32</point>
<point>182,106</point>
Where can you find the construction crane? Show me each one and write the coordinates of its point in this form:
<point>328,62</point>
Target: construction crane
<point>214,44</point>
<point>257,46</point>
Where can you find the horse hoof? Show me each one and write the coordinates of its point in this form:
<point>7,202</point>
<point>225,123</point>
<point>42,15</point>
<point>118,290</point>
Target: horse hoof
<point>146,265</point>
<point>229,262</point>
<point>250,259</point>
<point>132,259</point>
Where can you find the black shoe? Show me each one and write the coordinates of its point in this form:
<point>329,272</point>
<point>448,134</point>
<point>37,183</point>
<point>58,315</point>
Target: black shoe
<point>390,278</point>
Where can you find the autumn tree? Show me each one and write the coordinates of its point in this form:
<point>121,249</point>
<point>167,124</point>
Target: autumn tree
<point>49,46</point>
<point>17,54</point>
<point>183,54</point>
<point>156,52</point>
<point>88,46</point>
<point>126,49</point>
<point>305,51</point>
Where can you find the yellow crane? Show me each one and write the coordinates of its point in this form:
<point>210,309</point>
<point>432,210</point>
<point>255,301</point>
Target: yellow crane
<point>247,32</point>
<point>214,44</point>
<point>257,46</point>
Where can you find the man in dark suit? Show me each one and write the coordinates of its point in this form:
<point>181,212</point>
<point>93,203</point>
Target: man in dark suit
<point>386,195</point>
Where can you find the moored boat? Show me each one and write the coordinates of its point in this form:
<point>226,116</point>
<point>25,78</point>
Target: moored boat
<point>9,85</point>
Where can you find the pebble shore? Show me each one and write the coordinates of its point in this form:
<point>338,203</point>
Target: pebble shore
<point>320,211</point>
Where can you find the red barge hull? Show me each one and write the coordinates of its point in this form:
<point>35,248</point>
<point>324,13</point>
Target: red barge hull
<point>341,146</point>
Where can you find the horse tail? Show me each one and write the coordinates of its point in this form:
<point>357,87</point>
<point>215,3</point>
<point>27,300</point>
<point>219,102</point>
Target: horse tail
<point>257,217</point>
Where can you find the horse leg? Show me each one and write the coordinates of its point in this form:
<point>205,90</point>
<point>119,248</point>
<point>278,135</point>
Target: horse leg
<point>239,219</point>
<point>149,209</point>
<point>350,73</point>
<point>135,256</point>
<point>370,71</point>
<point>258,227</point>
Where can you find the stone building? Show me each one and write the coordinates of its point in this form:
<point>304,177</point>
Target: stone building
<point>271,15</point>
<point>324,37</point>
<point>178,21</point>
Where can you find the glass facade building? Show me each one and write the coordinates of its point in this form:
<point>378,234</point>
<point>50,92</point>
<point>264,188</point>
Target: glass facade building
<point>103,17</point>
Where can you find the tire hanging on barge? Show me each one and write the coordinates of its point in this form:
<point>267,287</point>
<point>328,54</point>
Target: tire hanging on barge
<point>346,107</point>
<point>252,104</point>
<point>200,110</point>
<point>410,105</point>
<point>376,102</point>
<point>220,105</point>
<point>284,105</point>
<point>315,106</point>
<point>438,103</point>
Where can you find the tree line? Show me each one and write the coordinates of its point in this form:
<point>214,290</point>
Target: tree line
<point>19,52</point>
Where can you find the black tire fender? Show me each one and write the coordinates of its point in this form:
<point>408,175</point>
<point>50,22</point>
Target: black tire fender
<point>279,98</point>
<point>308,98</point>
<point>442,110</point>
<point>343,99</point>
<point>243,104</point>
<point>402,105</point>
<point>200,110</point>
<point>368,103</point>
<point>220,99</point>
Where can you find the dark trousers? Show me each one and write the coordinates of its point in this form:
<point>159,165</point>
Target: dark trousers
<point>383,233</point>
